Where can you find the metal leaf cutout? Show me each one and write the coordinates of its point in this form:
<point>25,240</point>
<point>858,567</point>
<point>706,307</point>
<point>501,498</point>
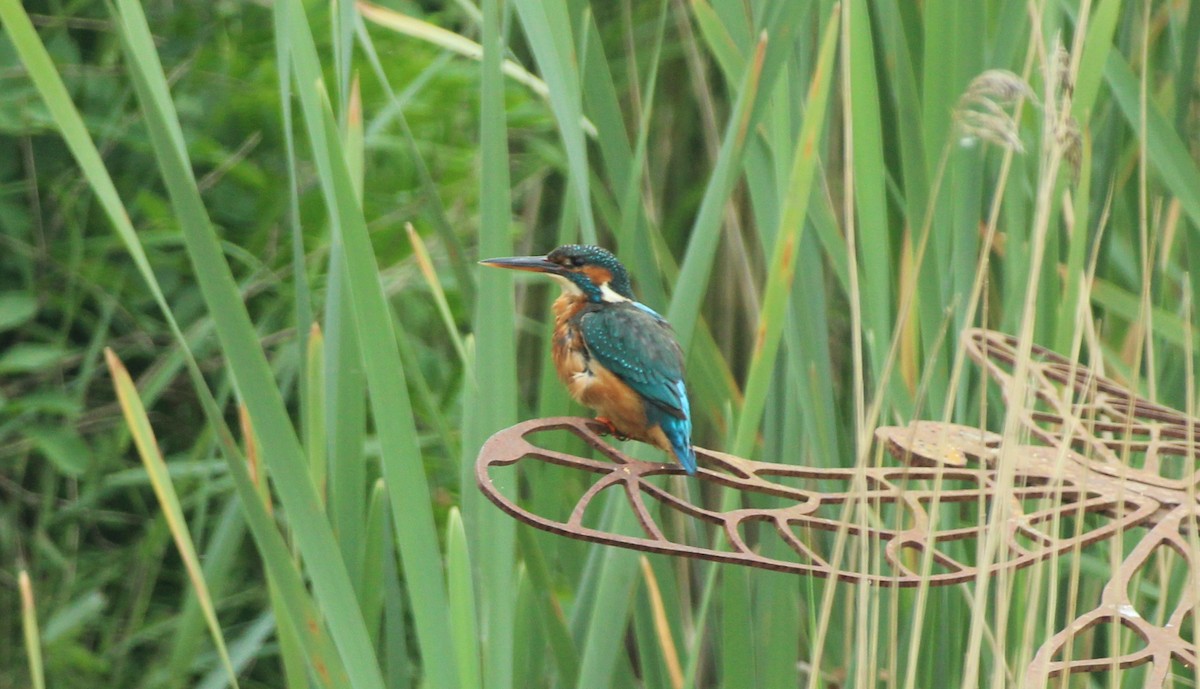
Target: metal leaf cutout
<point>1100,462</point>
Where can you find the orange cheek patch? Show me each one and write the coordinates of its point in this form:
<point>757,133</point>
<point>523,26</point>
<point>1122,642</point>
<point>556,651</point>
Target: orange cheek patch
<point>597,274</point>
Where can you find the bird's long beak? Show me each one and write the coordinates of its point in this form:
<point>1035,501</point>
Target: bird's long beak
<point>535,264</point>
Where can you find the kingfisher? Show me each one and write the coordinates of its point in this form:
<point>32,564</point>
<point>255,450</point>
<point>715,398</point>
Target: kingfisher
<point>616,355</point>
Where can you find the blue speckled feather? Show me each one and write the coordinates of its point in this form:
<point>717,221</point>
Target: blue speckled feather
<point>638,346</point>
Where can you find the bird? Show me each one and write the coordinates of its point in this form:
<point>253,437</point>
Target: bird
<point>615,355</point>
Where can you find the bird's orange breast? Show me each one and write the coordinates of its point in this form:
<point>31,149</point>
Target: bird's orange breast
<point>570,353</point>
<point>590,383</point>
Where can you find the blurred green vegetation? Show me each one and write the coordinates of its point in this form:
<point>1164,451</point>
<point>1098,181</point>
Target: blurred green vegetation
<point>670,130</point>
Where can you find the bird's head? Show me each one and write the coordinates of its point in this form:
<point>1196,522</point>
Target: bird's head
<point>589,271</point>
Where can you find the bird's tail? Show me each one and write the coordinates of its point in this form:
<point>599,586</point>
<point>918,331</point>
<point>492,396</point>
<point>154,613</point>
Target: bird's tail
<point>679,434</point>
<point>686,456</point>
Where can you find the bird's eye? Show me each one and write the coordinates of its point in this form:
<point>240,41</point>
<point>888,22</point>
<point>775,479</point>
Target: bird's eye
<point>577,261</point>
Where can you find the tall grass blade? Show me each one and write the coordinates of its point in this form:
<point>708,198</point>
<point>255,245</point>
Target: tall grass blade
<point>425,263</point>
<point>662,627</point>
<point>491,392</point>
<point>463,618</point>
<point>558,635</point>
<point>410,26</point>
<point>551,37</point>
<point>375,549</point>
<point>1096,47</point>
<point>606,615</point>
<point>1172,327</point>
<point>787,246</point>
<point>716,35</point>
<point>168,500</point>
<point>322,657</point>
<point>220,555</point>
<point>869,157</point>
<point>684,311</point>
<point>29,624</point>
<point>778,24</point>
<point>314,426</point>
<point>639,242</point>
<point>281,447</point>
<point>403,471</point>
<point>346,411</point>
<point>1166,151</point>
<point>435,207</point>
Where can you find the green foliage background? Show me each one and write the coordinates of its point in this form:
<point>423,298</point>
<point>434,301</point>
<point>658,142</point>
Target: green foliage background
<point>791,181</point>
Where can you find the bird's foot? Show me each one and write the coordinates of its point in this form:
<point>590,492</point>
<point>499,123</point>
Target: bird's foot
<point>611,428</point>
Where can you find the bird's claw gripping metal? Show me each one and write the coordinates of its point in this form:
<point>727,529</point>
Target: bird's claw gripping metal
<point>610,428</point>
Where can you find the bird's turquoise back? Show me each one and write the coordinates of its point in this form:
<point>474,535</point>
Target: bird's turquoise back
<point>638,346</point>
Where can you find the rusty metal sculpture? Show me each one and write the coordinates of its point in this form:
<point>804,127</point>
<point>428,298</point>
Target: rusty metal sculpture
<point>1133,452</point>
<point>1102,460</point>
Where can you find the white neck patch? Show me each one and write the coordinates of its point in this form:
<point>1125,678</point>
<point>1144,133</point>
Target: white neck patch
<point>608,294</point>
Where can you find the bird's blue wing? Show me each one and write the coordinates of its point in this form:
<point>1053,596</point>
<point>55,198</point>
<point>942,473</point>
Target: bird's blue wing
<point>638,346</point>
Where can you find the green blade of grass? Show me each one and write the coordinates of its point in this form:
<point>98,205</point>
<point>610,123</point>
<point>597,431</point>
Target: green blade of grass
<point>281,447</point>
<point>408,488</point>
<point>1096,47</point>
<point>1170,326</point>
<point>1166,151</point>
<point>737,629</point>
<point>314,426</point>
<point>346,409</point>
<point>425,263</point>
<point>566,657</point>
<point>219,557</point>
<point>490,397</point>
<point>607,612</point>
<point>1074,277</point>
<point>662,632</point>
<point>29,624</point>
<point>548,29</point>
<point>624,166</point>
<point>301,613</point>
<point>787,245</point>
<point>870,168</point>
<point>304,308</point>
<point>716,35</point>
<point>463,619</point>
<point>739,20</point>
<point>435,35</point>
<point>435,207</point>
<point>529,664</point>
<point>905,103</point>
<point>168,500</point>
<point>779,24</point>
<point>684,310</point>
<point>375,533</point>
